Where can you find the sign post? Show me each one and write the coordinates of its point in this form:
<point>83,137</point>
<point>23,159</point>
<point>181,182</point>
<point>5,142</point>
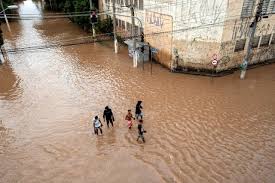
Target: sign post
<point>214,63</point>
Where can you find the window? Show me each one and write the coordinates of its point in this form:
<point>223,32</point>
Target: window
<point>265,6</point>
<point>255,42</point>
<point>265,40</point>
<point>136,30</point>
<point>123,24</point>
<point>126,2</point>
<point>128,26</point>
<point>119,22</point>
<point>247,9</point>
<point>268,6</point>
<point>141,4</point>
<point>271,6</point>
<point>136,3</point>
<point>240,44</point>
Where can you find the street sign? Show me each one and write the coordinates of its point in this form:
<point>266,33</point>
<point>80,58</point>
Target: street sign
<point>214,62</point>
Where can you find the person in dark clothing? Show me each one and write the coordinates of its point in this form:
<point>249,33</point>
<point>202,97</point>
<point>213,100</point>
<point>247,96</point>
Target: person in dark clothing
<point>108,116</point>
<point>141,131</point>
<point>138,110</point>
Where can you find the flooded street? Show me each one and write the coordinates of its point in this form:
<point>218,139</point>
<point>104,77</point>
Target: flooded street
<point>199,129</point>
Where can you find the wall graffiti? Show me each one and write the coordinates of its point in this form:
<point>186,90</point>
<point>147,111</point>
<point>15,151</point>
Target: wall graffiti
<point>203,11</point>
<point>158,30</point>
<point>155,19</point>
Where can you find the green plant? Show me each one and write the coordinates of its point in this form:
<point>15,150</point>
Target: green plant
<point>104,26</point>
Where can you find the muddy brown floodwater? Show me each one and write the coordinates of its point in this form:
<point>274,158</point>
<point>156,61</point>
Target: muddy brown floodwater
<point>199,129</point>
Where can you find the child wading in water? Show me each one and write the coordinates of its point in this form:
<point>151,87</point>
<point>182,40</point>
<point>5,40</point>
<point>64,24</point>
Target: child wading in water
<point>97,125</point>
<point>141,131</point>
<point>129,118</point>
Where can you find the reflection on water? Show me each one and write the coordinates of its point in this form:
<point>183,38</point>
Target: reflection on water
<point>199,129</point>
<point>10,83</point>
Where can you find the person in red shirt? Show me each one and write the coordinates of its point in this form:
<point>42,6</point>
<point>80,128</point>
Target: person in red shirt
<point>129,118</point>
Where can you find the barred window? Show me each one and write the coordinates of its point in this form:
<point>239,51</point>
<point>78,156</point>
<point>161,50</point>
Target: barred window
<point>240,44</point>
<point>248,7</point>
<point>128,26</point>
<point>265,40</point>
<point>271,6</point>
<point>265,6</point>
<point>141,4</point>
<point>123,24</point>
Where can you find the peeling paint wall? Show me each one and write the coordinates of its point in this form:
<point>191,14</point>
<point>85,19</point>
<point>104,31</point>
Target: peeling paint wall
<point>197,28</point>
<point>235,36</point>
<point>158,32</point>
<point>191,33</point>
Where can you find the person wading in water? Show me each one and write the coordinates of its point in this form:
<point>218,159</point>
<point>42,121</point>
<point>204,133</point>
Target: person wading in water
<point>108,116</point>
<point>138,110</point>
<point>129,118</point>
<point>141,131</point>
<point>97,125</point>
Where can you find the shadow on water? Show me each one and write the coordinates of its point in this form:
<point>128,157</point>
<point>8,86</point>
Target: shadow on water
<point>10,83</point>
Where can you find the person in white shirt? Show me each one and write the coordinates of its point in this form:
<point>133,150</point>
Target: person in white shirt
<point>97,125</point>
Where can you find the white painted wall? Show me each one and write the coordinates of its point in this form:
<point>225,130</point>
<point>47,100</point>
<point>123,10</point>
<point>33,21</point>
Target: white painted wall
<point>193,19</point>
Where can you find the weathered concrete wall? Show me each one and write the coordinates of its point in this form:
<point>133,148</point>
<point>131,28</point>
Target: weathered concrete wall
<point>158,32</point>
<point>235,38</point>
<point>198,32</point>
<point>197,29</point>
<point>191,33</point>
<point>196,54</point>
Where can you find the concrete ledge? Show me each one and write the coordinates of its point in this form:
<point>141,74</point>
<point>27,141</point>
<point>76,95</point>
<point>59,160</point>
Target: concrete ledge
<point>212,73</point>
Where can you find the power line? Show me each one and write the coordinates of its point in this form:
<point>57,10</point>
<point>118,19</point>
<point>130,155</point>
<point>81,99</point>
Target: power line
<point>99,38</point>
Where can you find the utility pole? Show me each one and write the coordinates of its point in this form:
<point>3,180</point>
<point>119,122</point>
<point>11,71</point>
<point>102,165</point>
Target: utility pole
<point>6,19</point>
<point>1,41</point>
<point>91,4</point>
<point>132,8</point>
<point>252,32</point>
<point>51,5</point>
<point>114,26</point>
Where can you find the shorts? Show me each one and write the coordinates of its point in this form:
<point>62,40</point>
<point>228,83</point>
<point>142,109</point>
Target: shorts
<point>139,115</point>
<point>130,123</point>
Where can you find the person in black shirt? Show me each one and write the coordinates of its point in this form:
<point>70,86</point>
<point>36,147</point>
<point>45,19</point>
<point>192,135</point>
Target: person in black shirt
<point>141,131</point>
<point>108,116</point>
<point>138,110</point>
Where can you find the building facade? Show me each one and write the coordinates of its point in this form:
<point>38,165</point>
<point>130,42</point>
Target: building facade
<point>192,33</point>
